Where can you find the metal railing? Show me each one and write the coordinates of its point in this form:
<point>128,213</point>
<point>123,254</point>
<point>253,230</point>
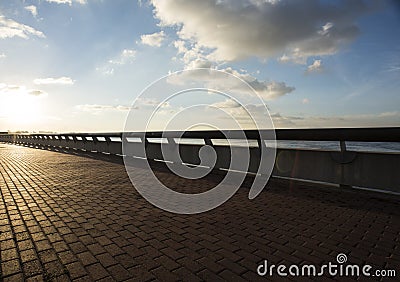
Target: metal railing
<point>375,170</point>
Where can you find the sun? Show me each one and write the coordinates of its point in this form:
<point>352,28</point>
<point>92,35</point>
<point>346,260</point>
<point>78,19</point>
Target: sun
<point>20,108</point>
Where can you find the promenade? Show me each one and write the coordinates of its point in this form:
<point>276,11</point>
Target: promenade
<point>66,217</point>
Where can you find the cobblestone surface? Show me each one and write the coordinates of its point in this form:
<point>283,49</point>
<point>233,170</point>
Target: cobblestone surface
<point>65,217</point>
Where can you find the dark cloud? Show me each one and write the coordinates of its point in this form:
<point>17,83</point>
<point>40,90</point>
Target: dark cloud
<point>238,29</point>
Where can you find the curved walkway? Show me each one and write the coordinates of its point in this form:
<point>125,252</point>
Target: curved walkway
<point>65,217</point>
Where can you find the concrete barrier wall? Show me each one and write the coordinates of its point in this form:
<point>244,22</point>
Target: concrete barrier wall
<point>348,168</point>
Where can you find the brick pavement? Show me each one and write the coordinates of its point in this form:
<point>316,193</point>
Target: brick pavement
<point>65,217</point>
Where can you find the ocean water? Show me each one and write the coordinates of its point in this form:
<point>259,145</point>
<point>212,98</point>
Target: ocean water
<point>386,147</point>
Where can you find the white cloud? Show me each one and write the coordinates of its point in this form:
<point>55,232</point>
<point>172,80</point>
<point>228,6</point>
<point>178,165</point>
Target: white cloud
<point>305,101</point>
<point>140,102</point>
<point>199,63</point>
<point>282,121</point>
<point>50,80</point>
<point>10,28</point>
<point>105,70</point>
<point>36,92</point>
<point>32,9</point>
<point>267,90</point>
<point>244,115</point>
<point>316,66</point>
<point>126,56</point>
<point>69,2</point>
<point>390,114</point>
<point>96,109</point>
<point>154,39</point>
<point>180,45</point>
<point>228,103</point>
<point>235,30</point>
<point>10,89</point>
<point>329,39</point>
<point>60,1</point>
<point>195,53</point>
<point>2,56</point>
<point>272,90</point>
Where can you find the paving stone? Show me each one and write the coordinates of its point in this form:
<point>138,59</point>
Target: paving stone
<point>76,270</point>
<point>28,255</point>
<point>37,278</point>
<point>118,272</point>
<point>164,274</point>
<point>9,254</point>
<point>125,260</point>
<point>54,269</point>
<point>87,258</point>
<point>67,257</point>
<point>25,245</point>
<point>32,268</point>
<point>106,259</point>
<point>97,271</point>
<point>48,256</point>
<point>14,278</point>
<point>10,267</point>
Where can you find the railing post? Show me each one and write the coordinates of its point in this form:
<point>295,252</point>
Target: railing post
<point>343,151</point>
<point>342,146</point>
<point>144,140</point>
<point>108,143</point>
<point>208,141</point>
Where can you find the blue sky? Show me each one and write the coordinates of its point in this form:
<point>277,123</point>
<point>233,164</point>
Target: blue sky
<point>69,65</point>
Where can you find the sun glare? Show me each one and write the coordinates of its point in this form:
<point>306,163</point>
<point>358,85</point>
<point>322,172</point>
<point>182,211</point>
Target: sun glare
<point>20,108</point>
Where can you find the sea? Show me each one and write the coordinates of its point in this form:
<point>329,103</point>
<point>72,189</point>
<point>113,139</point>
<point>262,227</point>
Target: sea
<point>381,147</point>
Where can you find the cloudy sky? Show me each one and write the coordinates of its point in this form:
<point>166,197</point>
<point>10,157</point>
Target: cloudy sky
<point>78,65</point>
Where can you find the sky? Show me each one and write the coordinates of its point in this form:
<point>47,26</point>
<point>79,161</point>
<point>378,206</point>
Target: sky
<point>89,65</point>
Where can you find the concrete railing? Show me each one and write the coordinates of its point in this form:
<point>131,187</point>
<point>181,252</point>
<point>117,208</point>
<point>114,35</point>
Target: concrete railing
<point>375,170</point>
